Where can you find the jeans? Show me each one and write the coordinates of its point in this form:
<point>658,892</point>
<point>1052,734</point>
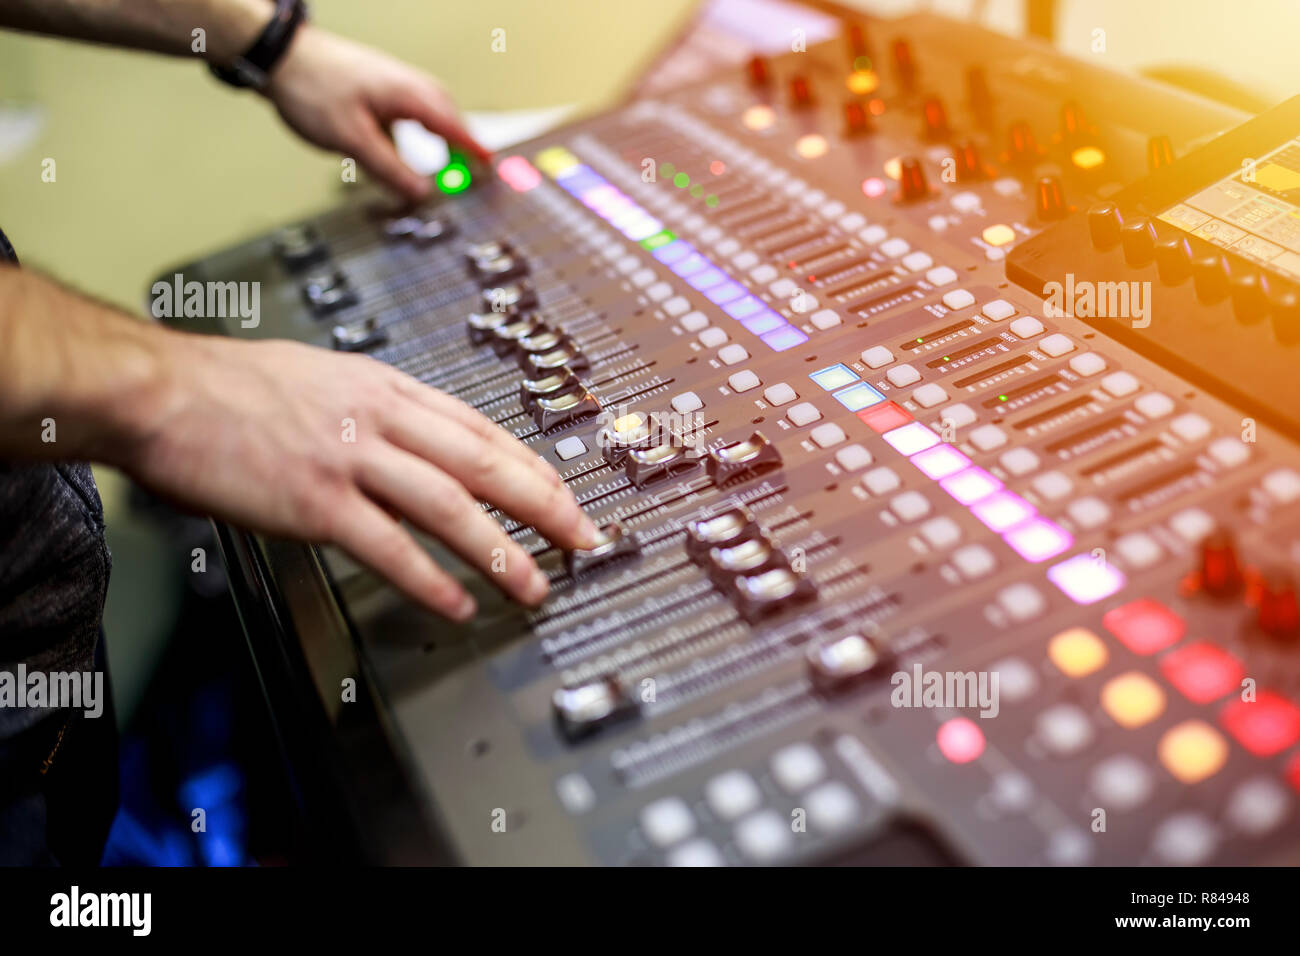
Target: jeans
<point>58,767</point>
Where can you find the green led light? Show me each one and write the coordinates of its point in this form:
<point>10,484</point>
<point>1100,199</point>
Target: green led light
<point>920,340</point>
<point>710,201</point>
<point>681,180</point>
<point>453,178</point>
<point>657,240</point>
<point>666,170</point>
<point>697,190</point>
<point>1002,398</point>
<point>862,63</point>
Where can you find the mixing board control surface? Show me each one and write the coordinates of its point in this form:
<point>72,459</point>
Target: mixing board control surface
<point>897,564</point>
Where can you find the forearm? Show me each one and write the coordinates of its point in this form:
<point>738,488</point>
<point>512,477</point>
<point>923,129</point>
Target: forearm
<point>162,26</point>
<point>78,380</point>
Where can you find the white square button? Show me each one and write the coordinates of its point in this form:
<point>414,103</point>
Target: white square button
<point>877,357</point>
<point>900,376</point>
<point>797,767</point>
<point>853,457</point>
<point>1056,345</point>
<point>880,481</point>
<point>779,394</point>
<point>958,299</point>
<point>929,395</point>
<point>667,821</point>
<point>570,447</point>
<point>1026,327</point>
<point>732,794</point>
<point>988,437</point>
<point>805,413</point>
<point>732,354</point>
<point>827,434</point>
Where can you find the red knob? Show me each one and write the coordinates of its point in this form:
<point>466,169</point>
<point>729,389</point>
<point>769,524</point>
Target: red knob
<point>1220,571</point>
<point>1278,611</point>
<point>936,120</point>
<point>969,165</point>
<point>757,71</point>
<point>1050,202</point>
<point>856,120</point>
<point>911,180</point>
<point>1021,145</point>
<point>800,93</point>
<point>904,65</point>
<point>1160,153</point>
<point>1073,122</point>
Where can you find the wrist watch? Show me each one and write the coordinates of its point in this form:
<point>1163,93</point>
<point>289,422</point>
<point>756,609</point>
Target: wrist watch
<point>252,68</point>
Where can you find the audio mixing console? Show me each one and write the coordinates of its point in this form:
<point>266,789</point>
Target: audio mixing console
<point>903,561</point>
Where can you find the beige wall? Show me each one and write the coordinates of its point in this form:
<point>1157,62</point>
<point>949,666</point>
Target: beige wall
<point>156,162</point>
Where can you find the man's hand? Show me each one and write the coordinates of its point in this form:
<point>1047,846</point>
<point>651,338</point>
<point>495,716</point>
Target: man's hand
<point>298,441</point>
<point>343,96</point>
<point>278,437</point>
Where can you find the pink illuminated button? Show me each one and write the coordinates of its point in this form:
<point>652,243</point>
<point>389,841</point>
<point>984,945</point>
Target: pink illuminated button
<point>1265,726</point>
<point>1038,539</point>
<point>518,173</point>
<point>884,417</point>
<point>940,461</point>
<point>1144,626</point>
<point>970,485</point>
<point>1002,511</point>
<point>960,740</point>
<point>912,438</point>
<point>1203,671</point>
<point>1085,579</point>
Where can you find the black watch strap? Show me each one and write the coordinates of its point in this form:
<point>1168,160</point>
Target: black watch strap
<point>252,69</point>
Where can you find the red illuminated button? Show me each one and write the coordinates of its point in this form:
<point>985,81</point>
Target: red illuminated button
<point>960,740</point>
<point>1202,672</point>
<point>1145,626</point>
<point>1264,726</point>
<point>1293,773</point>
<point>886,417</point>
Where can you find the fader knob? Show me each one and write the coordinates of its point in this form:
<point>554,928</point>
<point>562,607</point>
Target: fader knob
<point>1220,572</point>
<point>1278,613</point>
<point>1138,237</point>
<point>1173,260</point>
<point>1210,276</point>
<point>1050,199</point>
<point>911,180</point>
<point>1104,225</point>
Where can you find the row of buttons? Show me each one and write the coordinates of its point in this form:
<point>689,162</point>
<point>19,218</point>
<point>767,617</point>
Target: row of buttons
<point>761,835</point>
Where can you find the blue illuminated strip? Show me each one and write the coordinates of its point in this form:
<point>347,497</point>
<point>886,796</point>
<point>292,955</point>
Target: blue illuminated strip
<point>686,262</point>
